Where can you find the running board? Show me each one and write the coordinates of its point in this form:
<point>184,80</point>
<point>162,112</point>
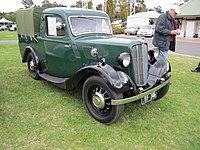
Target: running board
<point>60,82</point>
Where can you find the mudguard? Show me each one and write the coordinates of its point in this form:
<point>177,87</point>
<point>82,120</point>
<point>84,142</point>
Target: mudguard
<point>116,80</point>
<point>158,70</point>
<point>27,50</point>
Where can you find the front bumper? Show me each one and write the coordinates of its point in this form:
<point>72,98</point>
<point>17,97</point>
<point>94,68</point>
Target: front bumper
<point>139,96</point>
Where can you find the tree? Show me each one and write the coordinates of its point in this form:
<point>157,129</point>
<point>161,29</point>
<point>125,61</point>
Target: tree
<point>79,4</point>
<point>99,7</point>
<point>9,16</point>
<point>124,9</point>
<point>158,9</point>
<point>140,6</point>
<point>110,9</point>
<point>27,3</point>
<point>46,3</point>
<point>182,2</point>
<point>90,4</point>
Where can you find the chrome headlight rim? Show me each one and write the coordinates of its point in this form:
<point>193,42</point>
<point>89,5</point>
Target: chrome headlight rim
<point>124,59</point>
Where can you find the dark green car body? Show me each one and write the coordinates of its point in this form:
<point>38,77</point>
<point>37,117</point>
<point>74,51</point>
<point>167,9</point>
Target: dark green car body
<point>55,51</point>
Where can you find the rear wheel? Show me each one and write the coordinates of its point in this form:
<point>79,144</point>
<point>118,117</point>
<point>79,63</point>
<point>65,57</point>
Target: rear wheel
<point>97,98</point>
<point>32,66</point>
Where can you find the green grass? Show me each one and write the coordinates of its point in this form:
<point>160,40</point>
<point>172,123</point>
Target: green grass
<point>8,35</point>
<point>37,115</point>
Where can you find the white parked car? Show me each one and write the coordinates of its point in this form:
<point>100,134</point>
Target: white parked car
<point>131,30</point>
<point>12,27</point>
<point>3,27</point>
<point>147,30</point>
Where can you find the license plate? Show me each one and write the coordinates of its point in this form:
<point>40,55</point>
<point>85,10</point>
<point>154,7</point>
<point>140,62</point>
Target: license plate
<point>148,98</point>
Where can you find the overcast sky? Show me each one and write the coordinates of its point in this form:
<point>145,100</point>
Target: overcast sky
<point>13,5</point>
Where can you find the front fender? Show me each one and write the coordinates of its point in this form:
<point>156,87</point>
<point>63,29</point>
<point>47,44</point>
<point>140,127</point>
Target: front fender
<point>158,70</point>
<point>116,80</point>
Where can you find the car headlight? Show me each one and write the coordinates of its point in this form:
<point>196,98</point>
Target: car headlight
<point>124,59</point>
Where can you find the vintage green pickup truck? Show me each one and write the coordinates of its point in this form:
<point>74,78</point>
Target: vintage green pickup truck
<point>76,47</point>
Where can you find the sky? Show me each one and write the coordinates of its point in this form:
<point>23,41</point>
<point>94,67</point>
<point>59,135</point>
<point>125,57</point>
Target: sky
<point>13,5</point>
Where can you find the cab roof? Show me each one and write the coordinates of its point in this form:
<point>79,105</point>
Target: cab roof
<point>75,11</point>
<point>28,20</point>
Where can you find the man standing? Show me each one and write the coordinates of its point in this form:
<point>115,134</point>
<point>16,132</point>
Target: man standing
<point>165,31</point>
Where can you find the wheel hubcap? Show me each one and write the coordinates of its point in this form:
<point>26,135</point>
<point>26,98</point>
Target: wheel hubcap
<point>32,66</point>
<point>98,100</point>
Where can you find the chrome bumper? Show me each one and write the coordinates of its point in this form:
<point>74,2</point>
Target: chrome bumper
<point>139,96</point>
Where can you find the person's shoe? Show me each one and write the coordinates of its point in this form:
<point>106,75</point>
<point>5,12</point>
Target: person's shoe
<point>197,69</point>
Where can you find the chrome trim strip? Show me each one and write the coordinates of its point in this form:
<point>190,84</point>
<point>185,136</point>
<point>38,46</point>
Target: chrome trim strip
<point>139,96</point>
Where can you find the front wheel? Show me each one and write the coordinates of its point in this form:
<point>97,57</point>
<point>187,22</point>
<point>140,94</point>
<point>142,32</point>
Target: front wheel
<point>97,98</point>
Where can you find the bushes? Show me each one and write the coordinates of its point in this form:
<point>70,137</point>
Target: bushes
<point>117,29</point>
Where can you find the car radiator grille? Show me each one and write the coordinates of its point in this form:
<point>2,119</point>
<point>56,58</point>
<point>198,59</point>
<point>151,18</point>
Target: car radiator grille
<point>140,64</point>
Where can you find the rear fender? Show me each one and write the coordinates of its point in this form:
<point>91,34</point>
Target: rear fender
<point>29,49</point>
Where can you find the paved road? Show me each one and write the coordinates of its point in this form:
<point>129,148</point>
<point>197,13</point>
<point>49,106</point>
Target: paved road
<point>185,46</point>
<point>8,42</point>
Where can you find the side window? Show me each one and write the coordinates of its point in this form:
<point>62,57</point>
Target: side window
<point>55,26</point>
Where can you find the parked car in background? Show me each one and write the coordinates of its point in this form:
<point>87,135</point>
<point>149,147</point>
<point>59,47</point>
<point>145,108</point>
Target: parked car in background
<point>131,30</point>
<point>3,27</point>
<point>12,27</point>
<point>147,30</point>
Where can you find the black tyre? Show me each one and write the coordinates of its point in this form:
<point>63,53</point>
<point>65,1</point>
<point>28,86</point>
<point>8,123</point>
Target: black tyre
<point>163,91</point>
<point>97,98</point>
<point>32,66</point>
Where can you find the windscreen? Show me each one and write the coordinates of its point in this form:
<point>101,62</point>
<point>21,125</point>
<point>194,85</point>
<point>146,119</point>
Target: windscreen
<point>84,25</point>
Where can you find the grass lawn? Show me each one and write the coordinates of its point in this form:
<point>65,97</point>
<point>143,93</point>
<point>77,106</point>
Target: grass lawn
<point>37,115</point>
<point>8,35</point>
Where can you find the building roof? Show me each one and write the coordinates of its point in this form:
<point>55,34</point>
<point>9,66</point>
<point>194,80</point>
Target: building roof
<point>3,20</point>
<point>149,14</point>
<point>190,9</point>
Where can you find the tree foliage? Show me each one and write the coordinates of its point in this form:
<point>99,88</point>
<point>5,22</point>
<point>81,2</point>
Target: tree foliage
<point>79,4</point>
<point>90,4</point>
<point>110,9</point>
<point>140,6</point>
<point>46,3</point>
<point>99,7</point>
<point>27,3</point>
<point>9,16</point>
<point>157,9</point>
<point>124,9</point>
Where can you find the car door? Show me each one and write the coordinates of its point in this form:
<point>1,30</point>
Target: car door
<point>60,57</point>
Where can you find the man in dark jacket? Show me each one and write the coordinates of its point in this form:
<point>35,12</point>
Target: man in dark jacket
<point>165,30</point>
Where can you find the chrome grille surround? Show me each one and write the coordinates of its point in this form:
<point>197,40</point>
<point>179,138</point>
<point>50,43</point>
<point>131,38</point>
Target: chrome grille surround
<point>139,55</point>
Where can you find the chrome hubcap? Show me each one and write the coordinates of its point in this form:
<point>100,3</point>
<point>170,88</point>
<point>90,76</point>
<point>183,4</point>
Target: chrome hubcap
<point>98,100</point>
<point>32,66</point>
